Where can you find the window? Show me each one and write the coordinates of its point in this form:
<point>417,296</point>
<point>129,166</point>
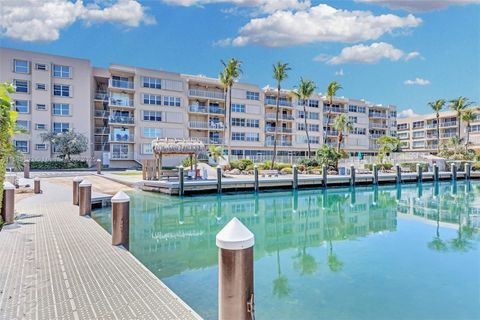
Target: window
<point>360,131</point>
<point>23,124</point>
<point>418,124</point>
<point>250,136</point>
<point>41,146</point>
<point>238,122</point>
<point>61,109</point>
<point>238,136</point>
<point>403,135</point>
<point>238,107</point>
<point>418,144</point>
<point>152,115</point>
<point>41,86</point>
<point>147,148</point>
<point>21,146</point>
<point>40,66</point>
<point>149,82</point>
<point>61,71</point>
<point>301,114</point>
<point>252,123</point>
<point>171,101</point>
<point>40,126</point>
<point>152,132</point>
<point>21,66</point>
<point>301,126</point>
<point>251,95</point>
<point>418,134</point>
<point>22,106</point>
<point>314,127</point>
<point>59,127</point>
<point>313,103</point>
<point>41,107</point>
<point>61,90</point>
<point>402,126</point>
<point>120,151</point>
<point>353,119</point>
<point>313,115</point>
<point>152,99</point>
<point>21,86</point>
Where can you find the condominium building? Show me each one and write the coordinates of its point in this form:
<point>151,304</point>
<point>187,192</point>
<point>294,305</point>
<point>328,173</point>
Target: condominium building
<point>419,133</point>
<point>121,109</point>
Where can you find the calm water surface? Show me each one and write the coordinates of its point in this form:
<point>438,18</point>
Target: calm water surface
<point>362,253</point>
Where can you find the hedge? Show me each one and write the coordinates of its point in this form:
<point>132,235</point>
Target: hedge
<point>52,165</point>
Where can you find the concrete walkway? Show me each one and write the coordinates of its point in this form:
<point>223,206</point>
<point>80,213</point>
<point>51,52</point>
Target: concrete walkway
<point>55,264</point>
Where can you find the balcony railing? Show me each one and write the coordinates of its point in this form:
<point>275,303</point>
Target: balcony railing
<point>101,113</point>
<point>282,103</point>
<point>121,102</point>
<point>331,133</point>
<point>279,143</point>
<point>377,125</point>
<point>196,108</point>
<point>101,130</point>
<point>377,115</point>
<point>431,125</point>
<point>121,120</point>
<point>448,124</point>
<point>448,134</point>
<point>122,84</point>
<point>121,137</point>
<point>102,147</point>
<point>216,110</point>
<point>375,135</point>
<point>101,95</point>
<point>208,140</point>
<point>272,116</point>
<point>206,125</point>
<point>279,130</point>
<point>330,109</point>
<point>206,94</point>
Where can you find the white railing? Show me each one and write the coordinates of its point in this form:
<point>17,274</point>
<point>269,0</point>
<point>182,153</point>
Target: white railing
<point>121,102</point>
<point>121,137</point>
<point>121,120</point>
<point>123,84</point>
<point>272,116</point>
<point>206,94</point>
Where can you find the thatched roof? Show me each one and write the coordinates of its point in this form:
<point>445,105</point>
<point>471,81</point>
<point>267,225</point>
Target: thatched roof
<point>177,146</point>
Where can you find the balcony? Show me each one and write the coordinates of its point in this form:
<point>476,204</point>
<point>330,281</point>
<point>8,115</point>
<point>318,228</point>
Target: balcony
<point>128,103</point>
<point>432,136</point>
<point>101,95</point>
<point>448,124</point>
<point>279,130</point>
<point>206,94</point>
<point>331,133</point>
<point>121,120</point>
<point>121,137</point>
<point>121,84</point>
<point>216,110</point>
<point>198,109</point>
<point>102,147</point>
<point>377,115</point>
<point>375,135</point>
<point>272,116</point>
<point>279,143</point>
<point>207,140</point>
<point>374,146</point>
<point>333,109</point>
<point>431,126</point>
<point>448,134</point>
<point>374,125</point>
<point>206,125</point>
<point>101,113</point>
<point>402,128</point>
<point>101,130</point>
<point>282,103</point>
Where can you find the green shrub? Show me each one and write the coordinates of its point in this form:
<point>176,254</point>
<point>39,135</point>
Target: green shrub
<point>281,166</point>
<point>286,171</point>
<point>241,164</point>
<point>310,162</point>
<point>250,167</point>
<point>476,166</point>
<point>412,166</point>
<point>187,162</point>
<point>53,165</point>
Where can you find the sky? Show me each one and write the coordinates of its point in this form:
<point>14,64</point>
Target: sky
<point>401,52</point>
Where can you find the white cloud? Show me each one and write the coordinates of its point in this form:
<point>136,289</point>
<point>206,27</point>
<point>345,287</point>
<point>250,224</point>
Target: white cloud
<point>339,73</point>
<point>407,114</point>
<point>266,6</point>
<point>367,54</point>
<point>417,82</point>
<point>32,20</point>
<point>319,23</point>
<point>419,5</point>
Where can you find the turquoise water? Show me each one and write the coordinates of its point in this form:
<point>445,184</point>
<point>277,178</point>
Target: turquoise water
<point>362,253</point>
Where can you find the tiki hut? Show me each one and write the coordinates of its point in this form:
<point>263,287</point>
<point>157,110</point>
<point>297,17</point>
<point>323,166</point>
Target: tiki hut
<point>175,147</point>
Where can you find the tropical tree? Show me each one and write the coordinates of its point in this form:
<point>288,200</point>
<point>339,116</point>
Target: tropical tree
<point>328,156</point>
<point>216,152</point>
<point>332,89</point>
<point>305,90</point>
<point>67,143</point>
<point>7,129</point>
<point>437,243</point>
<point>437,106</point>
<point>468,116</point>
<point>459,105</point>
<point>387,144</point>
<point>232,69</point>
<point>342,124</point>
<point>279,74</point>
<point>280,284</point>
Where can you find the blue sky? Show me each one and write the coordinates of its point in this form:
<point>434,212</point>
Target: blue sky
<point>402,52</point>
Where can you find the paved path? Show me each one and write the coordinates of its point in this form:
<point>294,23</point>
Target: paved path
<point>55,264</point>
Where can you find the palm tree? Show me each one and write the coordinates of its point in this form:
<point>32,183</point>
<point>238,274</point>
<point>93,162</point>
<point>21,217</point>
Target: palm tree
<point>332,89</point>
<point>216,152</point>
<point>468,116</point>
<point>279,73</point>
<point>231,71</point>
<point>280,284</point>
<point>305,90</point>
<point>342,124</point>
<point>459,105</point>
<point>437,106</point>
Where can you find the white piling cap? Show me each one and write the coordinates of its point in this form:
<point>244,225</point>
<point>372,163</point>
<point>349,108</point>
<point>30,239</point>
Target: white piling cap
<point>36,178</point>
<point>98,160</point>
<point>8,186</point>
<point>235,236</point>
<point>120,197</point>
<point>219,167</point>
<point>78,179</point>
<point>85,183</point>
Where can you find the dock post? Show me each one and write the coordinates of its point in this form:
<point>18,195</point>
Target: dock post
<point>375,173</point>
<point>255,176</point>
<point>295,176</point>
<point>36,185</point>
<point>324,176</point>
<point>454,171</point>
<point>419,173</point>
<point>75,188</point>
<point>85,198</point>
<point>120,219</point>
<point>219,179</point>
<point>235,272</point>
<point>468,170</point>
<point>181,181</point>
<point>8,203</point>
<point>398,171</point>
<point>352,175</point>
<point>99,166</point>
<point>26,169</point>
<point>435,172</point>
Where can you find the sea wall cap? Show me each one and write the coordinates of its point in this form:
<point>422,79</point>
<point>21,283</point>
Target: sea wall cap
<point>78,179</point>
<point>8,186</point>
<point>120,197</point>
<point>85,183</point>
<point>235,236</point>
